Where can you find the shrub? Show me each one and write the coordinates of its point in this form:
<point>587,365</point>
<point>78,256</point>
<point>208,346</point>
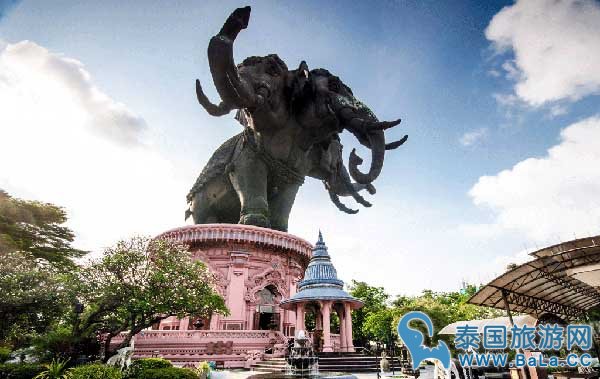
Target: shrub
<point>137,366</point>
<point>4,354</point>
<point>203,370</point>
<point>56,369</point>
<point>54,344</point>
<point>168,373</point>
<point>20,370</point>
<point>95,371</point>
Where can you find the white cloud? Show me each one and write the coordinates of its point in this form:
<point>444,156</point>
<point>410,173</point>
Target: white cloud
<point>550,198</point>
<point>64,141</point>
<point>473,136</point>
<point>30,64</point>
<point>558,110</point>
<point>506,100</point>
<point>485,272</point>
<point>555,45</point>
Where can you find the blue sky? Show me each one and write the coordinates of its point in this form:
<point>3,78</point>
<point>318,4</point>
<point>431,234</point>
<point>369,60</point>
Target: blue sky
<point>481,86</point>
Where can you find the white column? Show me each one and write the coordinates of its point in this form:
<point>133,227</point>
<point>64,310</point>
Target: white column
<point>326,312</point>
<point>348,322</point>
<point>342,318</point>
<point>184,323</point>
<point>214,322</point>
<point>300,317</point>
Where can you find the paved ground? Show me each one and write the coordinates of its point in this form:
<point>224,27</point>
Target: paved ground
<point>425,374</point>
<point>245,374</point>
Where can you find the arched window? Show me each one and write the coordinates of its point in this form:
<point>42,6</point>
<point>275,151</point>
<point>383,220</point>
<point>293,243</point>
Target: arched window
<point>267,314</point>
<point>267,295</point>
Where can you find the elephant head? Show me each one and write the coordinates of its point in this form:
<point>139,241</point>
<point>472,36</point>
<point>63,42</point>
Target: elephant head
<point>269,96</point>
<point>355,117</point>
<point>259,87</point>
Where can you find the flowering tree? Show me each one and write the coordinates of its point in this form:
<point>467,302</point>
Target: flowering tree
<point>139,282</point>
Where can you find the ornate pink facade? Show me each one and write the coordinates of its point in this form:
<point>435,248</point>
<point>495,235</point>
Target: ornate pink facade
<point>256,268</point>
<point>247,260</point>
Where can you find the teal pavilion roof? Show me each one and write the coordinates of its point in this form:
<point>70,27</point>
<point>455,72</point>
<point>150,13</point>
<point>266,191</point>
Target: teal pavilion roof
<point>320,281</point>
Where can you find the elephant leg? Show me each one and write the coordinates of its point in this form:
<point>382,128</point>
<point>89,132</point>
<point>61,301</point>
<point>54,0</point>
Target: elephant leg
<point>217,202</point>
<point>249,179</point>
<point>280,204</point>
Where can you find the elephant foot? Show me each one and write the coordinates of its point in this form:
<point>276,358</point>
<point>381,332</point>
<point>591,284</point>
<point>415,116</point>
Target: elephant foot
<point>282,226</point>
<point>255,219</point>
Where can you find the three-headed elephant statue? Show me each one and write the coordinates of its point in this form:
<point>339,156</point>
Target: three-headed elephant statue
<point>291,124</point>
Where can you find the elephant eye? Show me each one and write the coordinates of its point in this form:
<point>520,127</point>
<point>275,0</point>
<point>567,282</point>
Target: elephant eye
<point>335,84</point>
<point>272,69</point>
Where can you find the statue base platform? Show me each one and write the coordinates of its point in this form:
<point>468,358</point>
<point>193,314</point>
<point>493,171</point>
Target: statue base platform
<point>256,268</point>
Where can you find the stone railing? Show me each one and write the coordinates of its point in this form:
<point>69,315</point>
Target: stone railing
<point>205,335</point>
<point>185,346</point>
<point>192,234</point>
<point>335,341</point>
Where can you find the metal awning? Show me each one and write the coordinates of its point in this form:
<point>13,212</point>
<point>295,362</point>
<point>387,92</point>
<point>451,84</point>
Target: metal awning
<point>561,280</point>
<point>498,321</point>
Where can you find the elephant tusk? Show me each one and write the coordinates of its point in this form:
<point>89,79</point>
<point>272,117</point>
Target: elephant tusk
<point>382,125</point>
<point>361,200</point>
<point>396,144</point>
<point>336,200</point>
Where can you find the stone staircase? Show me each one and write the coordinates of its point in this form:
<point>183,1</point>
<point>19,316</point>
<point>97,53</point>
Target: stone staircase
<point>269,365</point>
<point>330,362</point>
<point>352,362</point>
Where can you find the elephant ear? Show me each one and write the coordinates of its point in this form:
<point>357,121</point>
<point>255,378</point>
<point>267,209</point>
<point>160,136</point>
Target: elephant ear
<point>299,77</point>
<point>297,87</point>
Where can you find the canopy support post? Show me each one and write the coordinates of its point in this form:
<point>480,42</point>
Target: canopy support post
<point>512,323</point>
<point>507,307</point>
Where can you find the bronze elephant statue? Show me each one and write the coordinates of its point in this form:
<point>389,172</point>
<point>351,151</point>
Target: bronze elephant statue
<point>291,124</point>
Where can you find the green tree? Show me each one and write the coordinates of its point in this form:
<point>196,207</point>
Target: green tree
<point>375,300</point>
<point>139,282</point>
<point>443,308</point>
<point>37,229</point>
<point>34,296</point>
<point>380,325</point>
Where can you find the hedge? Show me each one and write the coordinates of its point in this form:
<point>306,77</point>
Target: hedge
<point>134,371</point>
<point>95,371</point>
<point>168,373</point>
<point>20,370</point>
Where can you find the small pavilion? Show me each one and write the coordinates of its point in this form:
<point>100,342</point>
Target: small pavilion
<point>322,292</point>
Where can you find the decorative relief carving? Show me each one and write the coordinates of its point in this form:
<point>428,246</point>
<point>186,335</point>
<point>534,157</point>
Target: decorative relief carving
<point>269,276</point>
<point>200,255</point>
<point>221,282</point>
<point>239,258</point>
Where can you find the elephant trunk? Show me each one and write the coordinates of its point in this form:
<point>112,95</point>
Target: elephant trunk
<point>377,142</point>
<point>231,87</point>
<point>370,132</point>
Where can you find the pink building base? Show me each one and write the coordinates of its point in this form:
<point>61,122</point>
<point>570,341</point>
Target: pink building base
<point>256,268</point>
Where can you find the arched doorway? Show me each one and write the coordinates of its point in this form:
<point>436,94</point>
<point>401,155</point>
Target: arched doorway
<point>267,316</point>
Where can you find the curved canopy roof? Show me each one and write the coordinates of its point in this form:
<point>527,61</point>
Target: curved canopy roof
<point>563,280</point>
<point>320,281</point>
<point>481,323</point>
